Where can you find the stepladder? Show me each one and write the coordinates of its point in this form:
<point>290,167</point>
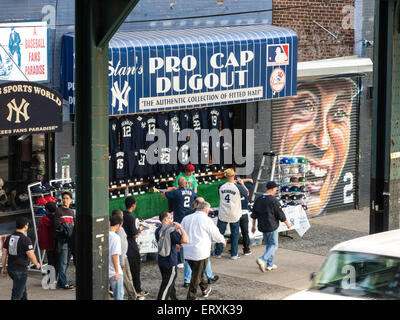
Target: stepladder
<point>266,172</point>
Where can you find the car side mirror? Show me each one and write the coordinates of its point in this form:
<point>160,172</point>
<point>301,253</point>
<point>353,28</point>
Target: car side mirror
<point>312,276</point>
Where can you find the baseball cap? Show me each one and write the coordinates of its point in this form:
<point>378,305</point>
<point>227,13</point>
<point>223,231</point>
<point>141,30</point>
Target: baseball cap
<point>271,185</point>
<point>189,167</point>
<point>229,172</point>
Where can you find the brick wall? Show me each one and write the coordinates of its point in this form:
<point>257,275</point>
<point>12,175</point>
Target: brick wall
<point>314,42</point>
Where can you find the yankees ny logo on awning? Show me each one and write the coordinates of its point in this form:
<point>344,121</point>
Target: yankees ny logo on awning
<point>121,96</point>
<point>12,106</point>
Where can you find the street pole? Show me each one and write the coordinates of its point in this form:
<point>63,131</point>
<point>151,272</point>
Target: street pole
<point>96,21</point>
<point>385,174</point>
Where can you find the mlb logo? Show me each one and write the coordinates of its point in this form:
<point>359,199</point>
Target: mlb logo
<point>278,55</point>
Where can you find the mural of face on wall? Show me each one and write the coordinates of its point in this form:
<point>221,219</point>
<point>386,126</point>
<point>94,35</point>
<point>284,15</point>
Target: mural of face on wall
<point>317,125</point>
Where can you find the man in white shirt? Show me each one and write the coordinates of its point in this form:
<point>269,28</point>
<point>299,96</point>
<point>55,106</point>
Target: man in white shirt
<point>114,267</point>
<point>201,231</point>
<point>230,211</point>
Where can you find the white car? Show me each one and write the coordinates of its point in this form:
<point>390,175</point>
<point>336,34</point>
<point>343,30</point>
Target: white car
<point>363,268</point>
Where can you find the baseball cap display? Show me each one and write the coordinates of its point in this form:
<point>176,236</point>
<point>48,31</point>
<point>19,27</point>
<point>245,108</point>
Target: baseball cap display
<point>302,179</point>
<point>286,170</point>
<point>302,169</point>
<point>285,161</point>
<point>293,160</point>
<point>285,189</point>
<point>294,170</point>
<point>286,180</point>
<point>294,180</point>
<point>302,189</point>
<point>41,201</point>
<point>41,211</point>
<point>295,197</point>
<point>49,198</point>
<point>302,160</point>
<point>294,189</point>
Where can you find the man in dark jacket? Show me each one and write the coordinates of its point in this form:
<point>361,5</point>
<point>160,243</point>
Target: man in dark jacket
<point>267,210</point>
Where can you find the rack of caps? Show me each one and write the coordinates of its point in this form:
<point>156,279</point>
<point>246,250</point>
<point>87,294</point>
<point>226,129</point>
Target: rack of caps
<point>41,193</point>
<point>292,177</point>
<point>161,182</point>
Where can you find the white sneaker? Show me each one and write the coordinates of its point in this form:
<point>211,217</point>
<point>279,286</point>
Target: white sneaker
<point>272,268</point>
<point>180,266</point>
<point>261,264</point>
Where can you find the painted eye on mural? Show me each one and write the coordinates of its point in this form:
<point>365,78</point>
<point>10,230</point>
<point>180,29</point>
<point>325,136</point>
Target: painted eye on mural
<point>308,107</point>
<point>340,114</point>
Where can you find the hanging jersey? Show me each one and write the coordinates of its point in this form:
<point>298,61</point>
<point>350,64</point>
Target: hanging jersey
<point>214,122</point>
<point>111,167</point>
<point>175,130</point>
<point>120,165</point>
<point>204,157</point>
<point>126,126</point>
<point>140,125</point>
<point>226,146</point>
<point>183,154</point>
<point>230,204</point>
<point>113,135</point>
<point>163,123</point>
<point>141,166</point>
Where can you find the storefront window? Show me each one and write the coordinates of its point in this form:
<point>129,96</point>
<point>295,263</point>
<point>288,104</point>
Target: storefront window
<point>22,161</point>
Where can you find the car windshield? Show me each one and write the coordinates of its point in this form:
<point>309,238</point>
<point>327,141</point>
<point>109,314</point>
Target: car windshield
<point>360,275</point>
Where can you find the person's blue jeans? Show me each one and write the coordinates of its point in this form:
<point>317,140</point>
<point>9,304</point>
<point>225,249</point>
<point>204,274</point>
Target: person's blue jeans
<point>19,285</point>
<point>271,244</point>
<point>117,287</point>
<point>63,262</point>
<point>187,272</point>
<point>234,237</point>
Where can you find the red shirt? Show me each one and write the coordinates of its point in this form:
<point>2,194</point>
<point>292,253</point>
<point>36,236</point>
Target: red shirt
<point>46,234</point>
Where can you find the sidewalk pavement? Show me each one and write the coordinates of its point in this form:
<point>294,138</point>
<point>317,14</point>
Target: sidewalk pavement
<point>241,279</point>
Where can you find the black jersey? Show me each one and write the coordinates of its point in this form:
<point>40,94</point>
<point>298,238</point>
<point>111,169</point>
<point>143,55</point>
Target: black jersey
<point>151,136</point>
<point>175,129</point>
<point>227,123</point>
<point>183,152</point>
<point>127,132</point>
<point>163,124</point>
<point>111,167</point>
<point>214,122</point>
<point>141,129</point>
<point>121,170</point>
<point>113,130</point>
<point>227,117</point>
<point>214,118</point>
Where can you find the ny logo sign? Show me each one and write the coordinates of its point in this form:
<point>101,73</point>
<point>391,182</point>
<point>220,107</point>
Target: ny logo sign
<point>12,106</point>
<point>121,96</point>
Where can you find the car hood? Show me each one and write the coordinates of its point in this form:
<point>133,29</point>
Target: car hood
<point>316,295</point>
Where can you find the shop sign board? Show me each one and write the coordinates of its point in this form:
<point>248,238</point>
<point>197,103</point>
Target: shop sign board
<point>165,70</point>
<point>29,108</point>
<point>24,51</point>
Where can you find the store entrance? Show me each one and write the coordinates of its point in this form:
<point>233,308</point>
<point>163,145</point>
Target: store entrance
<point>23,160</point>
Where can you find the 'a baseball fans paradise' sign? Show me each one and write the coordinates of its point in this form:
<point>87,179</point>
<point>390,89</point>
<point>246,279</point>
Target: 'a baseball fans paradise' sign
<point>29,108</point>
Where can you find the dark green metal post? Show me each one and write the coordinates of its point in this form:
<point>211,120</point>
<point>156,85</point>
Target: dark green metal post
<point>385,175</point>
<point>95,24</point>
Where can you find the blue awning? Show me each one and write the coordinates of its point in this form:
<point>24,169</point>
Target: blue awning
<point>153,71</point>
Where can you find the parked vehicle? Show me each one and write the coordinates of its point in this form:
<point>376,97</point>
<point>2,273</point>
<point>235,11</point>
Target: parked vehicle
<point>363,268</point>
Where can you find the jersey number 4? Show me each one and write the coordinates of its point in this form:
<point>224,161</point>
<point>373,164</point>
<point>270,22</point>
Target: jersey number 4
<point>227,198</point>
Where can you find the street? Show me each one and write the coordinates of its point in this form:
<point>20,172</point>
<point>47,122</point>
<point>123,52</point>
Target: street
<point>241,279</point>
